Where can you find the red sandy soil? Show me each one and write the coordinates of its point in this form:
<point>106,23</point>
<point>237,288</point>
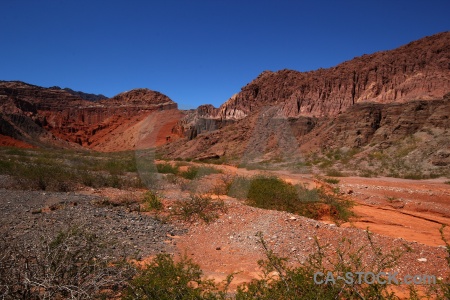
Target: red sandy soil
<point>411,209</point>
<point>397,211</point>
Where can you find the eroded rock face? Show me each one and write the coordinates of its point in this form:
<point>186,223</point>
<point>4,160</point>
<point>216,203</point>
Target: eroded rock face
<point>414,132</point>
<point>380,124</point>
<point>58,116</point>
<point>203,119</point>
<point>418,70</point>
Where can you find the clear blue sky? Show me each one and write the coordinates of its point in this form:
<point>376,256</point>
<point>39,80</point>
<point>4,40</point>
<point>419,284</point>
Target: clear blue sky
<point>196,51</point>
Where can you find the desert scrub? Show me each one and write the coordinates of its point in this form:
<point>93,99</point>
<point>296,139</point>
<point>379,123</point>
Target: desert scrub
<point>334,173</point>
<point>198,208</point>
<point>238,187</point>
<point>73,264</point>
<point>151,202</point>
<point>196,172</point>
<point>339,208</point>
<point>271,192</point>
<point>298,282</point>
<point>167,168</point>
<point>165,279</point>
<point>331,180</point>
<point>63,170</point>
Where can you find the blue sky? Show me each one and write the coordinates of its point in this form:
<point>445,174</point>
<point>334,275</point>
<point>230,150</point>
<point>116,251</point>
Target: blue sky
<point>197,52</point>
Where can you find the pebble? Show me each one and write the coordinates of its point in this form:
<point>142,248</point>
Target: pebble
<point>422,259</point>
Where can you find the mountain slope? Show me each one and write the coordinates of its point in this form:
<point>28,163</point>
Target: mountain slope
<point>56,117</point>
<point>418,70</point>
<point>368,104</point>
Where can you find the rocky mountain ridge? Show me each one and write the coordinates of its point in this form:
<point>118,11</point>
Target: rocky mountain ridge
<point>56,116</point>
<point>303,105</point>
<point>418,70</point>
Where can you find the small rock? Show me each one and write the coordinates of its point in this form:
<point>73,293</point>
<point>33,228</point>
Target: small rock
<point>218,248</point>
<point>422,259</point>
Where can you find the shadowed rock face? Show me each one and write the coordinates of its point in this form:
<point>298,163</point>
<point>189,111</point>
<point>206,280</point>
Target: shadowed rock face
<point>60,117</point>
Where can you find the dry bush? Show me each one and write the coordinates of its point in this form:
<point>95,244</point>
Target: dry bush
<point>74,264</point>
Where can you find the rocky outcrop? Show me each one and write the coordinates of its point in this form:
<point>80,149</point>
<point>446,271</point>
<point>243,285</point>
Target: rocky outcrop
<point>379,124</point>
<point>46,115</point>
<point>411,135</point>
<point>203,119</point>
<point>418,70</point>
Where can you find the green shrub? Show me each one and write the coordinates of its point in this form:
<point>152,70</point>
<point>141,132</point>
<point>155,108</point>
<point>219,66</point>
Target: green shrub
<point>331,180</point>
<point>164,279</point>
<point>298,282</point>
<point>197,172</point>
<point>414,176</point>
<point>167,168</point>
<point>340,209</point>
<point>190,173</point>
<point>271,192</point>
<point>334,173</point>
<point>152,201</point>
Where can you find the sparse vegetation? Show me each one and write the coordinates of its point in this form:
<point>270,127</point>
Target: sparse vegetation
<point>62,170</point>
<point>270,192</point>
<point>334,173</point>
<point>443,291</point>
<point>190,173</point>
<point>198,208</point>
<point>165,279</point>
<point>331,180</point>
<point>74,264</point>
<point>196,172</point>
<point>298,282</point>
<point>167,168</point>
<point>391,199</point>
<point>151,201</point>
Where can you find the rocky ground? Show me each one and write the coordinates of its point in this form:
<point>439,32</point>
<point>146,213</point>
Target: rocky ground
<point>401,214</point>
<point>28,215</point>
<point>230,244</point>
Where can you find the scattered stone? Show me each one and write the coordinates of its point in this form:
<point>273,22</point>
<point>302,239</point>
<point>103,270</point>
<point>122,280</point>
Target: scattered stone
<point>422,259</point>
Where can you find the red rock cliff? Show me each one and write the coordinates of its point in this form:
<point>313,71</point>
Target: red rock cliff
<point>418,70</point>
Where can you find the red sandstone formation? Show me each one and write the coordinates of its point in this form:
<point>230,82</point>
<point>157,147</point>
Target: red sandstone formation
<point>58,117</point>
<point>418,70</point>
<point>308,101</point>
